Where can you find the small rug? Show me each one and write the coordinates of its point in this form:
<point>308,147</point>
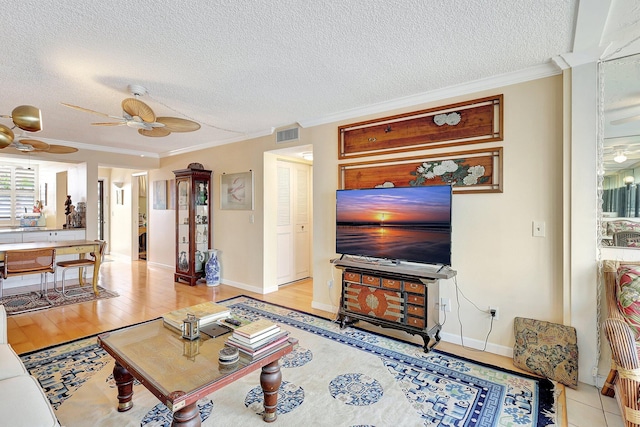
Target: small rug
<point>335,377</point>
<point>16,304</point>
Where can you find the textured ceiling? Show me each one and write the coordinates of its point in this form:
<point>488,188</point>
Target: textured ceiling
<point>242,68</point>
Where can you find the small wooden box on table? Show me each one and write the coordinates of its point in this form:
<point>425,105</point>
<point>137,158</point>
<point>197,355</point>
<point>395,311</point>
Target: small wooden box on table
<point>399,296</point>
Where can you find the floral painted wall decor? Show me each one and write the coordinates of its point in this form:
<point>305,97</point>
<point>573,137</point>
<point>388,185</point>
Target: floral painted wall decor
<point>475,171</point>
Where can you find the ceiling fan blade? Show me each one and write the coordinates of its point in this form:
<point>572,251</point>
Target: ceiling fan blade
<point>155,132</point>
<point>135,107</point>
<point>37,145</point>
<point>87,110</point>
<point>110,124</point>
<point>60,149</point>
<point>13,150</point>
<point>625,120</point>
<point>175,124</point>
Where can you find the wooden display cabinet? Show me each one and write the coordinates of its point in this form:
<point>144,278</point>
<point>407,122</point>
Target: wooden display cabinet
<point>193,222</point>
<point>401,296</point>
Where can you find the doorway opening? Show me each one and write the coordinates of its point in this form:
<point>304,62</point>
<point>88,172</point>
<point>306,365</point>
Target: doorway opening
<point>101,219</point>
<point>142,215</point>
<point>288,212</point>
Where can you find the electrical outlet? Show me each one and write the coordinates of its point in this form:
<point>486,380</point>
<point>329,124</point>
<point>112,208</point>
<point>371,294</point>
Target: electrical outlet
<point>445,305</point>
<point>329,284</point>
<point>497,316</point>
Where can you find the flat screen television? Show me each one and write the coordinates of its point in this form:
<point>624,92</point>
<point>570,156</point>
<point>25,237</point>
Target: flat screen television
<point>396,223</point>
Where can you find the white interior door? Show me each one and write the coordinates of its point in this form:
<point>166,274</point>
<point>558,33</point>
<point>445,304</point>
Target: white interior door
<point>284,234</point>
<point>293,222</point>
<point>302,222</point>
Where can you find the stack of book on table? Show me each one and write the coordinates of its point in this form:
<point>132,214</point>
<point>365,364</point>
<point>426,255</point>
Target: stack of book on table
<point>257,338</point>
<point>206,312</point>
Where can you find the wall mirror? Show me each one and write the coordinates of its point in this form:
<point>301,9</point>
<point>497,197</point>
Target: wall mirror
<point>620,151</point>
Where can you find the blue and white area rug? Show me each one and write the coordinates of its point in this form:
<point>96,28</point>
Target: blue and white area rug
<point>335,377</point>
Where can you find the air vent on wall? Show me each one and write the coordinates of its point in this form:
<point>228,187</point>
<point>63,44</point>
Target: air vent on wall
<point>286,135</point>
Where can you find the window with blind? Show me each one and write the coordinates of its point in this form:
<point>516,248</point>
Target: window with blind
<point>18,192</point>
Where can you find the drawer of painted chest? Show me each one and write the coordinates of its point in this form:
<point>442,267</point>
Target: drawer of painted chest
<point>416,322</point>
<point>415,288</point>
<point>391,284</point>
<point>370,280</point>
<point>415,310</point>
<point>351,277</point>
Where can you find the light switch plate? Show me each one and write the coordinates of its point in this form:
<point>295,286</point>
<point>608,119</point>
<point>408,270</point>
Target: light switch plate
<point>538,229</point>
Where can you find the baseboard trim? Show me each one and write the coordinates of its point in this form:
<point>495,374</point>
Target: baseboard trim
<point>477,344</point>
<point>444,336</point>
<point>324,307</point>
<point>246,287</point>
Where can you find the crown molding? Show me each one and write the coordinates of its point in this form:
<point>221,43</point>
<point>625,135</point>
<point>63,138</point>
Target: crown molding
<point>533,73</point>
<point>103,148</point>
<point>217,143</point>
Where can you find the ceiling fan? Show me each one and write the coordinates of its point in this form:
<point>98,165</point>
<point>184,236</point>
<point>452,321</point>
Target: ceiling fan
<point>138,115</point>
<point>28,118</point>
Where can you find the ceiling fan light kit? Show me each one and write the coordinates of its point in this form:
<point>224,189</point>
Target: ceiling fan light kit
<point>6,136</point>
<point>27,117</point>
<point>620,157</point>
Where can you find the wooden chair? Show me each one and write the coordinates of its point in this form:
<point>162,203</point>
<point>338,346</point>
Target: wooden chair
<point>623,381</point>
<point>625,358</point>
<point>29,261</point>
<point>626,238</point>
<point>81,263</point>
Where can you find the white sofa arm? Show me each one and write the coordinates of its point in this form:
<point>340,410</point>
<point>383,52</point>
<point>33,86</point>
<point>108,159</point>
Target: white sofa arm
<point>3,325</point>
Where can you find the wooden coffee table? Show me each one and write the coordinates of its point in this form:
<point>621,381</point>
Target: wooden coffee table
<point>179,372</point>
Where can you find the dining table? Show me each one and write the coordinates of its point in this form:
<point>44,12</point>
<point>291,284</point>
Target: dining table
<point>63,247</point>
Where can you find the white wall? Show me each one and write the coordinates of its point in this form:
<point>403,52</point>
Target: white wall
<point>161,226</point>
<point>498,261</point>
<point>120,215</point>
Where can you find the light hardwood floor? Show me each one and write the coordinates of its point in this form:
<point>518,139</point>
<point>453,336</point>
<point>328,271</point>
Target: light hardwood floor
<point>147,291</point>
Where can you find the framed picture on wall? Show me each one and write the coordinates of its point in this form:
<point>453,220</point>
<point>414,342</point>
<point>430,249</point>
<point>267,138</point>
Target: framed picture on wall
<point>159,194</point>
<point>236,191</point>
<point>171,194</point>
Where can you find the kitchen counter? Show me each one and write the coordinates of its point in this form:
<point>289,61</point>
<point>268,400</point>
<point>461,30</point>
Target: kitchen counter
<point>28,229</point>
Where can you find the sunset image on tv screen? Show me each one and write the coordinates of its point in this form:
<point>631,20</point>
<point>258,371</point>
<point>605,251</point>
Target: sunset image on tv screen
<point>398,223</point>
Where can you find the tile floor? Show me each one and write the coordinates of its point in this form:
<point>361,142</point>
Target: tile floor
<point>586,407</point>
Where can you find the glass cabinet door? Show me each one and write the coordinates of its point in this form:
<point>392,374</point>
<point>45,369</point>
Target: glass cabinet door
<point>201,223</point>
<point>193,223</point>
<point>183,225</point>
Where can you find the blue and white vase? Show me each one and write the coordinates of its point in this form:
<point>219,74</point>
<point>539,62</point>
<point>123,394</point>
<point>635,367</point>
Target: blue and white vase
<point>212,268</point>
